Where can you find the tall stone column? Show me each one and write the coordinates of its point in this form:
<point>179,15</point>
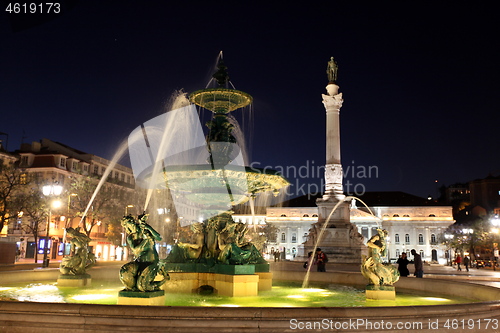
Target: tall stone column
<point>333,168</point>
<point>339,237</point>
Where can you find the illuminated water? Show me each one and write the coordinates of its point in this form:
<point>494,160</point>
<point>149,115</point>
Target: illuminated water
<point>289,295</point>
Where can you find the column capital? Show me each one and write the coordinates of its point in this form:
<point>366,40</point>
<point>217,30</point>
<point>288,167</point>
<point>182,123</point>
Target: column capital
<point>332,103</point>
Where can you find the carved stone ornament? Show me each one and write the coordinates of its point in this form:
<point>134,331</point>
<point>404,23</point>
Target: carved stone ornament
<point>332,103</point>
<point>333,178</point>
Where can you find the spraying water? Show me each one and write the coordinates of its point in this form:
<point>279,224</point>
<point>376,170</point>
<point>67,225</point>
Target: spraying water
<point>179,100</point>
<point>118,155</point>
<point>305,283</point>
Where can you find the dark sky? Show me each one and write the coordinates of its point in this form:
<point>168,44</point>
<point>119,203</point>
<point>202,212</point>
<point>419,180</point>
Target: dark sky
<point>420,81</point>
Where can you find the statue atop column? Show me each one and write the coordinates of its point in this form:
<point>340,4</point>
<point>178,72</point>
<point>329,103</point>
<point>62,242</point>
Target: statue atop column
<point>332,70</point>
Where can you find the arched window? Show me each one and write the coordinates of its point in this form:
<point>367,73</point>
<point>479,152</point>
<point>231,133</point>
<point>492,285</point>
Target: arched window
<point>283,237</point>
<point>433,239</point>
<point>397,253</point>
<point>283,215</point>
<point>407,238</point>
<point>305,215</point>
<point>395,215</point>
<point>315,215</point>
<point>406,215</point>
<point>294,238</point>
<point>420,239</point>
<point>396,238</point>
<point>432,215</point>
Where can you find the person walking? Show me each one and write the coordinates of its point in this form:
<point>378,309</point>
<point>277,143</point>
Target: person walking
<point>466,263</point>
<point>458,260</point>
<point>321,260</point>
<point>417,261</point>
<point>403,265</point>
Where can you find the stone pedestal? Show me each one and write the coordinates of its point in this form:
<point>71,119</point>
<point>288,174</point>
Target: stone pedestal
<point>126,297</point>
<point>226,280</point>
<point>265,280</point>
<point>223,284</point>
<point>64,280</point>
<point>380,292</point>
<point>341,240</point>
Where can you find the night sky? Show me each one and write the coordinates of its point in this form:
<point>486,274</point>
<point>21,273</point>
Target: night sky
<point>419,81</point>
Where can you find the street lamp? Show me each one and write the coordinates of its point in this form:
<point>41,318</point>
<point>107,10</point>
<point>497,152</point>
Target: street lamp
<point>495,222</point>
<point>50,190</point>
<point>448,238</point>
<point>123,234</point>
<point>126,209</point>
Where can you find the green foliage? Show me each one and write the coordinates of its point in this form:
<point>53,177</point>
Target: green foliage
<point>12,182</point>
<point>473,236</point>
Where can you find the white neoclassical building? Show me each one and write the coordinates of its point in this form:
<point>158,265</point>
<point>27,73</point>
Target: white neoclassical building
<point>409,227</point>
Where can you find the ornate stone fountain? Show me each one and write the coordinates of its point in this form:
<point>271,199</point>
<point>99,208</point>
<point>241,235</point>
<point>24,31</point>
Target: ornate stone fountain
<point>213,177</point>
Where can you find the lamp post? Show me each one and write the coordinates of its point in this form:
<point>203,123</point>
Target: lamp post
<point>126,209</point>
<point>468,232</point>
<point>68,220</point>
<point>448,238</point>
<point>50,190</point>
<point>495,222</point>
<point>123,244</point>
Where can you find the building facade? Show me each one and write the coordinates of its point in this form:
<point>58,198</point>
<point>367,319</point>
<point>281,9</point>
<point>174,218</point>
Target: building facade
<point>50,162</point>
<point>410,227</point>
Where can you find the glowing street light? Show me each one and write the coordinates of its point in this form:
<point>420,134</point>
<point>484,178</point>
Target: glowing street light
<point>126,209</point>
<point>448,238</point>
<point>50,190</point>
<point>495,222</point>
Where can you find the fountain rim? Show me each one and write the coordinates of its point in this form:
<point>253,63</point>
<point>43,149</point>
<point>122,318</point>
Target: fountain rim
<point>220,100</point>
<point>213,319</point>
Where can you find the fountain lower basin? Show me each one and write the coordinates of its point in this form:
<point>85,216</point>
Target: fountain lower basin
<point>45,317</point>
